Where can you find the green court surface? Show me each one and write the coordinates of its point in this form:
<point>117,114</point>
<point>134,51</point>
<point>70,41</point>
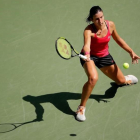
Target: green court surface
<point>42,91</point>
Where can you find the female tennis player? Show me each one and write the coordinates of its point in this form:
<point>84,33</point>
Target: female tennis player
<point>96,38</point>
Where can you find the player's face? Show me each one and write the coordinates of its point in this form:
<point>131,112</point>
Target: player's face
<point>98,19</point>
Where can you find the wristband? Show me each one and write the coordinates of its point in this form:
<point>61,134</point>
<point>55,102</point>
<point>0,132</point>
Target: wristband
<point>87,53</point>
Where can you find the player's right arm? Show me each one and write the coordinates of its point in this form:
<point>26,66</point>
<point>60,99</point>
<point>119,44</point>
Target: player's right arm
<point>87,41</point>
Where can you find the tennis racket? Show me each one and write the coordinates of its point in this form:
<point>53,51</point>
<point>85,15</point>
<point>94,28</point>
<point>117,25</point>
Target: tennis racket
<point>65,49</point>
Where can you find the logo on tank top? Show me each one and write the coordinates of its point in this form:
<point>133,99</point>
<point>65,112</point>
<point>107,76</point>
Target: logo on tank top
<point>108,37</point>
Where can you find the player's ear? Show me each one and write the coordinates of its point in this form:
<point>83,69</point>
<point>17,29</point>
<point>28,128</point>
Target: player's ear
<point>91,19</point>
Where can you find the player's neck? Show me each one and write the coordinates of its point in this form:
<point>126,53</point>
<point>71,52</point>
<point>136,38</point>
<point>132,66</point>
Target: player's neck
<point>99,29</point>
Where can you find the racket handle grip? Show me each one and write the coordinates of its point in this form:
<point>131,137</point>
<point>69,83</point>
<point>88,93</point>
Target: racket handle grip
<point>82,56</point>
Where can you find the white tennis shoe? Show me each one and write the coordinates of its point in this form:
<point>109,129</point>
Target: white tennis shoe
<point>131,79</point>
<point>81,113</point>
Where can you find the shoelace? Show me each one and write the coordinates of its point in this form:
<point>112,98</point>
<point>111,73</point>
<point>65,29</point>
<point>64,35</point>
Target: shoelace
<point>80,110</point>
<point>129,82</point>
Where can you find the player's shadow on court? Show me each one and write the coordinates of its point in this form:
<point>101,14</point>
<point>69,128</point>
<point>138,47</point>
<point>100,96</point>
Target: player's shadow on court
<point>60,100</point>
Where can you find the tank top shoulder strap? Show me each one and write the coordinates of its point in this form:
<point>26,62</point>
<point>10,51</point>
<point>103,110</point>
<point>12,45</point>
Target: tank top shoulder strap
<point>107,22</point>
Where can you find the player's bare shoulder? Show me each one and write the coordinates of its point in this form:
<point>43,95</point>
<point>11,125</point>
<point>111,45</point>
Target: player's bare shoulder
<point>112,26</point>
<point>88,30</point>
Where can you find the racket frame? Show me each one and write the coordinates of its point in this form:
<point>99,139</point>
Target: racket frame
<point>72,49</point>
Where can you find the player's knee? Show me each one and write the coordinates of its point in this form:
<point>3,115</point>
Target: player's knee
<point>92,80</point>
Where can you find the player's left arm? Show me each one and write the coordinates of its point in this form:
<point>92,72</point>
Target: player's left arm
<point>122,43</point>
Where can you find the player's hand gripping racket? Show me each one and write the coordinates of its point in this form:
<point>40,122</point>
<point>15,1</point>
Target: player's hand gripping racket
<point>65,49</point>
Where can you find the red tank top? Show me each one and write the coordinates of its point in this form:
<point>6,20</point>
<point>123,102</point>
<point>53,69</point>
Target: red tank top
<point>99,46</point>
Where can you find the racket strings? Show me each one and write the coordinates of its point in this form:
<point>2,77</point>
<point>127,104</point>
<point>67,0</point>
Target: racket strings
<point>63,48</point>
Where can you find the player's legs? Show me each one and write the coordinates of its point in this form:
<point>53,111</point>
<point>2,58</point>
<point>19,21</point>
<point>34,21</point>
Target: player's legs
<point>92,75</point>
<point>116,75</point>
<point>108,66</point>
<point>114,72</point>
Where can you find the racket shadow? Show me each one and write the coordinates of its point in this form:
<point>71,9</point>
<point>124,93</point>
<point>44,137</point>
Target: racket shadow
<point>60,100</point>
<point>7,127</point>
